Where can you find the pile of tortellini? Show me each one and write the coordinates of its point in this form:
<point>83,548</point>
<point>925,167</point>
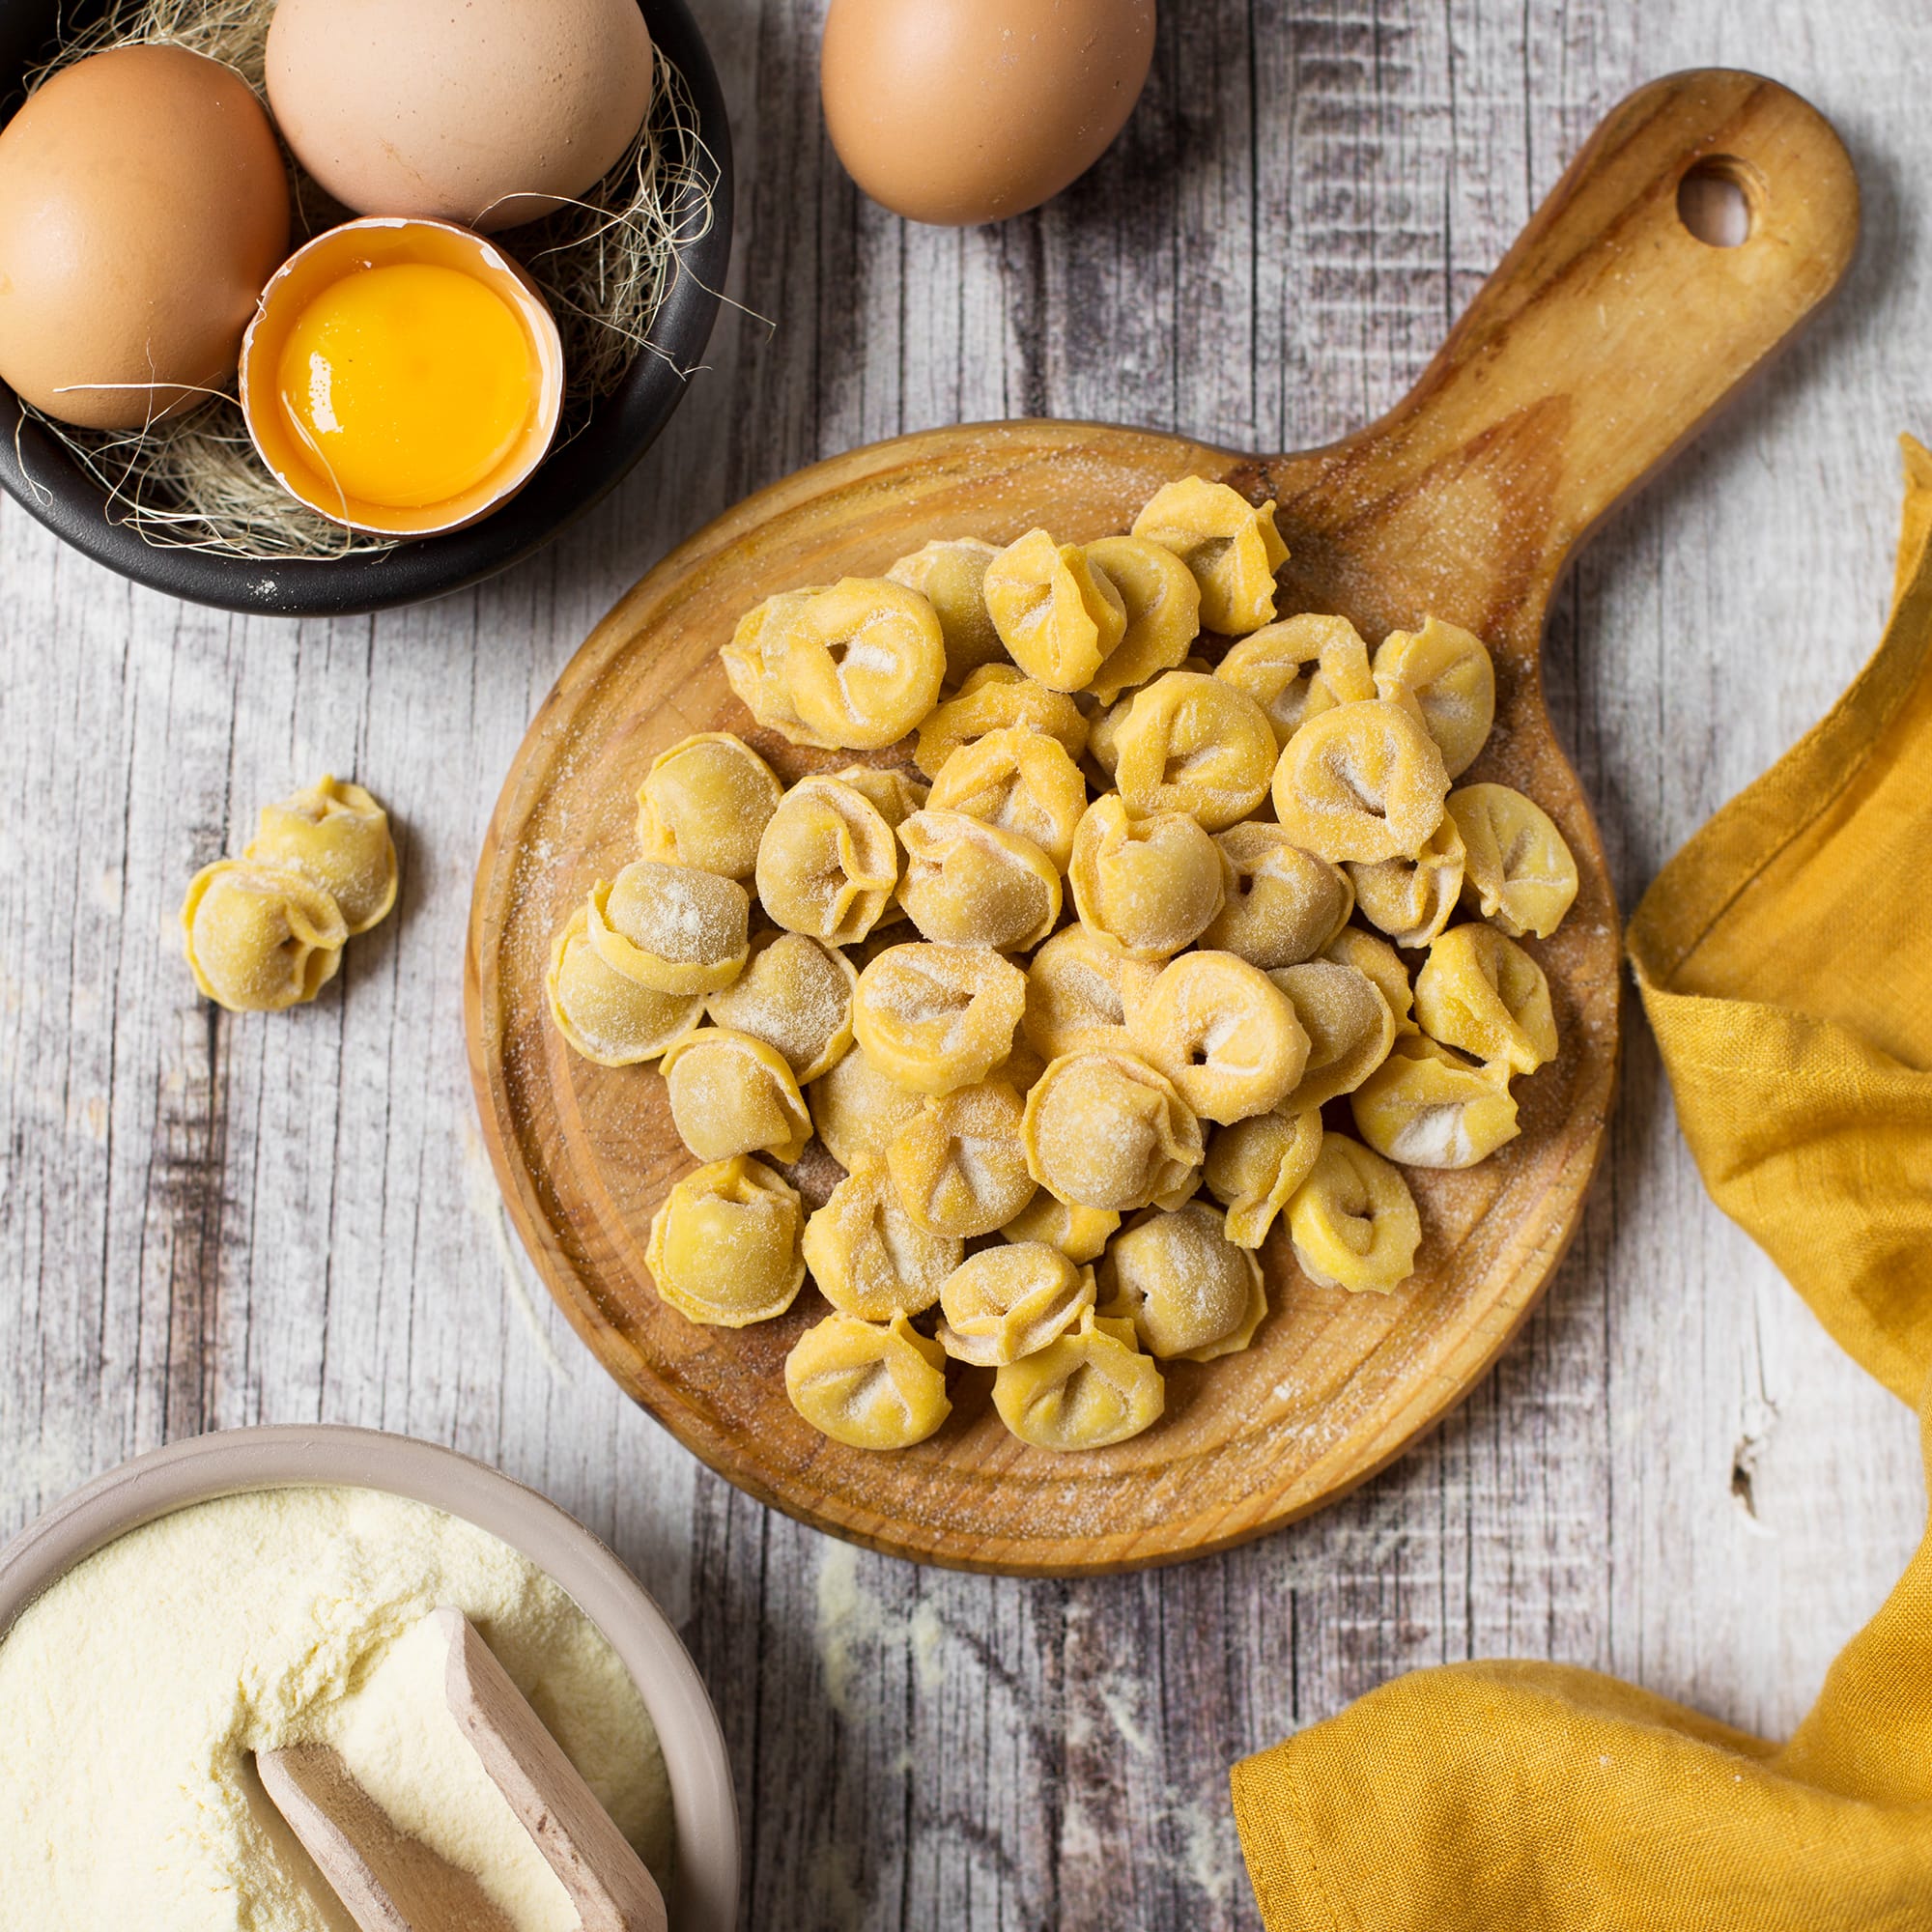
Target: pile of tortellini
<point>1027,1104</point>
<point>266,931</point>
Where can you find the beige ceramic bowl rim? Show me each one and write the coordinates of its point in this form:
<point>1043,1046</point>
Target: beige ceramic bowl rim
<point>234,1462</point>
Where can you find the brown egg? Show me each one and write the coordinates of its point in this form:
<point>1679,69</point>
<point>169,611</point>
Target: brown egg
<point>485,113</point>
<point>143,204</point>
<point>960,111</point>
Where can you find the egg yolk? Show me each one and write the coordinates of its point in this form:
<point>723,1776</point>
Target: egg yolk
<point>408,384</point>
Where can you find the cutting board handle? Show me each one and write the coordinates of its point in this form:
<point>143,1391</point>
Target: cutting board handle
<point>1607,333</point>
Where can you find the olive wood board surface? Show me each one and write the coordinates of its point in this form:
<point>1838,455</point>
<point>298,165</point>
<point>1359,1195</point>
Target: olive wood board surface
<point>1607,334</point>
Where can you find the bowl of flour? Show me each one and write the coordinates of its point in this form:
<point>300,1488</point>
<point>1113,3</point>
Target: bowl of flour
<point>261,1587</point>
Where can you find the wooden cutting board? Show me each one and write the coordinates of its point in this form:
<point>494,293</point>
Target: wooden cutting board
<point>1607,335</point>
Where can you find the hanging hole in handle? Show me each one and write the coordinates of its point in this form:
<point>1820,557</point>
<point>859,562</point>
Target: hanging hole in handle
<point>1717,201</point>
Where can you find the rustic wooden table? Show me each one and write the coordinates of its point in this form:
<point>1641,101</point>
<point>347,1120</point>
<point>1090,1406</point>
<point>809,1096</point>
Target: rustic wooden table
<point>206,1222</point>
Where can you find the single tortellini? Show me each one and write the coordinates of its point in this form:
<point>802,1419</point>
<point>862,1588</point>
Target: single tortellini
<point>1447,674</point>
<point>1080,1234</point>
<point>960,1163</point>
<point>705,802</point>
<point>1349,1024</point>
<point>1192,1294</point>
<point>1298,669</point>
<point>1022,782</point>
<point>670,927</point>
<point>1425,1106</point>
<point>1194,744</point>
<point>1106,1130</point>
<point>1516,868</point>
<point>893,793</point>
<point>1482,992</point>
<point>730,1094</point>
<point>261,938</point>
<point>1088,1391</point>
<point>1377,961</point>
<point>753,661</point>
<point>1412,900</point>
<point>1254,1167</point>
<point>1151,885</point>
<point>935,1017</point>
<point>1353,1220</point>
<point>1073,1000</point>
<point>997,697</point>
<point>1226,1038</point>
<point>339,835</point>
<point>605,1014</point>
<point>1011,1301</point>
<point>869,1256</point>
<point>1103,735</point>
<point>857,1110</point>
<point>1163,606</point>
<point>1059,618</point>
<point>1361,782</point>
<point>1232,548</point>
<point>724,1246</point>
<point>828,861</point>
<point>968,883</point>
<point>795,994</point>
<point>1284,905</point>
<point>950,575</point>
<point>869,1384</point>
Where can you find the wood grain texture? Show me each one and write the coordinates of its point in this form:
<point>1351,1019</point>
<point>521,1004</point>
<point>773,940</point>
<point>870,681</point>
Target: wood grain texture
<point>1670,1473</point>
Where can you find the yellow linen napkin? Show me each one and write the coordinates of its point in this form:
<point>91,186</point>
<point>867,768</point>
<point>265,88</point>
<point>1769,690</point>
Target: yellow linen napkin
<point>1784,957</point>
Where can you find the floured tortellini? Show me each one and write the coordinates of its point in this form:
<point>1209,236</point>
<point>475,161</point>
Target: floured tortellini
<point>1298,669</point>
<point>1254,1167</point>
<point>1428,1107</point>
<point>857,1110</point>
<point>997,697</point>
<point>1361,782</point>
<point>950,575</point>
<point>261,938</point>
<point>869,1384</point>
<point>828,861</point>
<point>1022,782</point>
<point>960,1163</point>
<point>1191,1292</point>
<point>1163,606</point>
<point>1010,1301</point>
<point>1080,1234</point>
<point>730,1094</point>
<point>1482,992</point>
<point>1232,548</point>
<point>1058,618</point>
<point>1073,999</point>
<point>339,835</point>
<point>869,1256</point>
<point>1348,1026</point>
<point>1103,734</point>
<point>753,661</point>
<point>894,794</point>
<point>1377,961</point>
<point>795,994</point>
<point>605,1014</point>
<point>705,802</point>
<point>1353,1220</point>
<point>1412,900</point>
<point>1516,868</point>
<point>1447,675</point>
<point>1105,1131</point>
<point>968,883</point>
<point>935,1017</point>
<point>1151,885</point>
<point>724,1246</point>
<point>1226,1038</point>
<point>1284,905</point>
<point>670,927</point>
<point>1194,744</point>
<point>1088,1391</point>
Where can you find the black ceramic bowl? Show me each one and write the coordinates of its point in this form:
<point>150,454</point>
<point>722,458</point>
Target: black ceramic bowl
<point>622,428</point>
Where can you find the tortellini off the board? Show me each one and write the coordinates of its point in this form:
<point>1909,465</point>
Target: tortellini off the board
<point>1159,932</point>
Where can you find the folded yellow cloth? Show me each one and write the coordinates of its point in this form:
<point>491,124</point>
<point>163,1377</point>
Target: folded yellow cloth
<point>1785,962</point>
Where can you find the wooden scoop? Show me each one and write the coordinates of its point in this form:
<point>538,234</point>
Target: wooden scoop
<point>390,1882</point>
